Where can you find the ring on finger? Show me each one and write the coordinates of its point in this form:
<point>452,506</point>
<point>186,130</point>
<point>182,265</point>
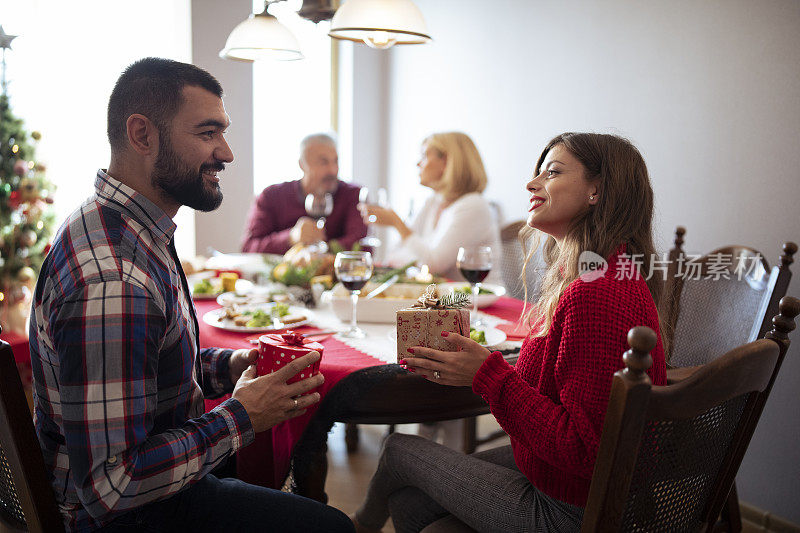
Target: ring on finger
<point>295,403</point>
<point>436,374</point>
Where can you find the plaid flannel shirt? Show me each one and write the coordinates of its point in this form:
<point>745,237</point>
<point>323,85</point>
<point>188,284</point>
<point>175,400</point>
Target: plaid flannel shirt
<point>118,389</point>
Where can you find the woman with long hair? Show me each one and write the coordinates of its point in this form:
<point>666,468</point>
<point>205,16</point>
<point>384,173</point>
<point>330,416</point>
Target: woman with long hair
<point>456,214</point>
<point>591,202</point>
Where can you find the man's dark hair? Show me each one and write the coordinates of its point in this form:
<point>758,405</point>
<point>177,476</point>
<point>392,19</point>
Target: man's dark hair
<point>152,87</point>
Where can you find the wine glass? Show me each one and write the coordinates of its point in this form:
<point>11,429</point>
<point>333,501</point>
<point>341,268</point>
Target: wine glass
<point>319,207</point>
<point>474,262</point>
<point>354,269</point>
<point>371,197</point>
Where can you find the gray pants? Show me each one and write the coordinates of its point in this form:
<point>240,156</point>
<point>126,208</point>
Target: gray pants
<point>419,481</point>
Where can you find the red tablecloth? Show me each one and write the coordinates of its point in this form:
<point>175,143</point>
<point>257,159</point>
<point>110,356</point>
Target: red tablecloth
<point>266,461</point>
<point>22,355</point>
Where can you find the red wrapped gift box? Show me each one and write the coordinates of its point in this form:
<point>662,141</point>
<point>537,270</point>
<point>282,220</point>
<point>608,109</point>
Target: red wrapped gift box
<point>276,350</point>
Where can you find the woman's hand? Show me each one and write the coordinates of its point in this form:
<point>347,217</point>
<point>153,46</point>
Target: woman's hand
<point>374,214</point>
<point>454,368</point>
<point>383,216</point>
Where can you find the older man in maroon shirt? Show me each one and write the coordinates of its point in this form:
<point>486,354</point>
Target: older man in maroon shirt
<point>278,220</point>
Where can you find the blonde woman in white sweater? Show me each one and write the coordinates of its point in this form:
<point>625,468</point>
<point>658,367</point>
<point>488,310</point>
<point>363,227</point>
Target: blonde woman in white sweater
<point>455,215</point>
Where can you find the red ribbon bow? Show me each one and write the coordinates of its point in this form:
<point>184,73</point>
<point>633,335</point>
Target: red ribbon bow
<point>293,339</point>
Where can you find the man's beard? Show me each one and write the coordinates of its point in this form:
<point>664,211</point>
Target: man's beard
<point>180,183</point>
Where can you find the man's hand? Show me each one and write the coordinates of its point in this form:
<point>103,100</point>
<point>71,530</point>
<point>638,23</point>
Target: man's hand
<point>305,231</point>
<point>240,360</point>
<point>269,401</point>
<point>455,368</point>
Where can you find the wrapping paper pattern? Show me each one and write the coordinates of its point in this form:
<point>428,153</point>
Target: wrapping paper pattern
<point>424,327</point>
<point>276,350</point>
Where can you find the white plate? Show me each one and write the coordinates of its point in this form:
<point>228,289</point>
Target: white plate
<point>256,294</point>
<point>494,336</point>
<point>484,300</point>
<point>243,286</point>
<point>217,319</point>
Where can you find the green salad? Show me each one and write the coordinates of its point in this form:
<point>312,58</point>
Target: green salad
<point>468,290</point>
<point>204,286</point>
<point>260,318</point>
<point>478,335</point>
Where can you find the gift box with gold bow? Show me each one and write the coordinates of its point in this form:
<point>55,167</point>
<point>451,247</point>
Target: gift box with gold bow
<point>423,323</point>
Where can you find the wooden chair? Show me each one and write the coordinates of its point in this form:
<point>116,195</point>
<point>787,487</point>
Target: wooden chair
<point>716,302</point>
<point>27,502</point>
<point>668,455</point>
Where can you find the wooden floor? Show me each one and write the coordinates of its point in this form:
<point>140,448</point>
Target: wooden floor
<point>349,474</point>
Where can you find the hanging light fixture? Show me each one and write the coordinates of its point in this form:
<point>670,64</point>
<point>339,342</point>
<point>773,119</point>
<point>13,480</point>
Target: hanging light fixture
<point>261,36</point>
<point>380,23</point>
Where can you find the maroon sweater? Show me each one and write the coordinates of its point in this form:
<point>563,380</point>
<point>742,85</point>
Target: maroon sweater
<point>278,207</point>
<point>553,402</point>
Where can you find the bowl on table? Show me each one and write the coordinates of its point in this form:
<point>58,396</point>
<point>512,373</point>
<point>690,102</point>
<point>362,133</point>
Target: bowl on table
<point>380,309</point>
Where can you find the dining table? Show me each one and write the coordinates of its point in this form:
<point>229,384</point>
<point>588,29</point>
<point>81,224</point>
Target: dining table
<point>363,385</point>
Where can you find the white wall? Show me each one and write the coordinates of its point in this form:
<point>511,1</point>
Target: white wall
<point>212,22</point>
<point>61,70</point>
<point>708,90</point>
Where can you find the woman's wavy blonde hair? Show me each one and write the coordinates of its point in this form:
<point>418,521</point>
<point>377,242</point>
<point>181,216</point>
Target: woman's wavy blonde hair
<point>463,172</point>
<point>623,214</point>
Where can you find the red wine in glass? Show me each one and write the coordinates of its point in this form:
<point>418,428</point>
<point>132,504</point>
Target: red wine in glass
<point>475,263</point>
<point>475,275</point>
<point>353,269</point>
<point>354,283</point>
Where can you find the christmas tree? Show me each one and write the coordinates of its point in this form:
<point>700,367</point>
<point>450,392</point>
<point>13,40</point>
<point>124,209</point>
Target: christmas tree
<point>26,218</point>
<point>26,221</point>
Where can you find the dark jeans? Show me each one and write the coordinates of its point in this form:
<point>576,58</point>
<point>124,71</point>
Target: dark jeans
<point>228,505</point>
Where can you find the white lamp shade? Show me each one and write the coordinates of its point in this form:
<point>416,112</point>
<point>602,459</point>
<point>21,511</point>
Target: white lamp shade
<point>380,23</point>
<point>261,37</point>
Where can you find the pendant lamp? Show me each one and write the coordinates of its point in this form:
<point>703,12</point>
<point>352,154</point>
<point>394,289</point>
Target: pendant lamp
<point>380,23</point>
<point>261,36</point>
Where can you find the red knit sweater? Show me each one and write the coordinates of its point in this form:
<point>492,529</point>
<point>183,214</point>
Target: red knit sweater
<point>553,402</point>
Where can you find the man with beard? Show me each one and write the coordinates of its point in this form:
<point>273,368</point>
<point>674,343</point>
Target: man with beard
<point>119,376</point>
<point>278,220</point>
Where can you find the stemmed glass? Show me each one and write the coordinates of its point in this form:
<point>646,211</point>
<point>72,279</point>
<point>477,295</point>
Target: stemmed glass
<point>370,197</point>
<point>354,269</point>
<point>474,262</point>
<point>319,207</point>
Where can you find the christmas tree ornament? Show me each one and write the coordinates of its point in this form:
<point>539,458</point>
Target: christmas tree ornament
<point>5,39</point>
<point>20,167</point>
<point>28,189</point>
<point>5,43</point>
<point>27,276</point>
<point>27,238</point>
<point>36,135</point>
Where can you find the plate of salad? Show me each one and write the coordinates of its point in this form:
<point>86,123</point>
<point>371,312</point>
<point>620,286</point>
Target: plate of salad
<point>487,336</point>
<point>253,318</point>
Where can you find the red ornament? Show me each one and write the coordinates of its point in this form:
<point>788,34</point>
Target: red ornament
<point>47,248</point>
<point>14,199</point>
